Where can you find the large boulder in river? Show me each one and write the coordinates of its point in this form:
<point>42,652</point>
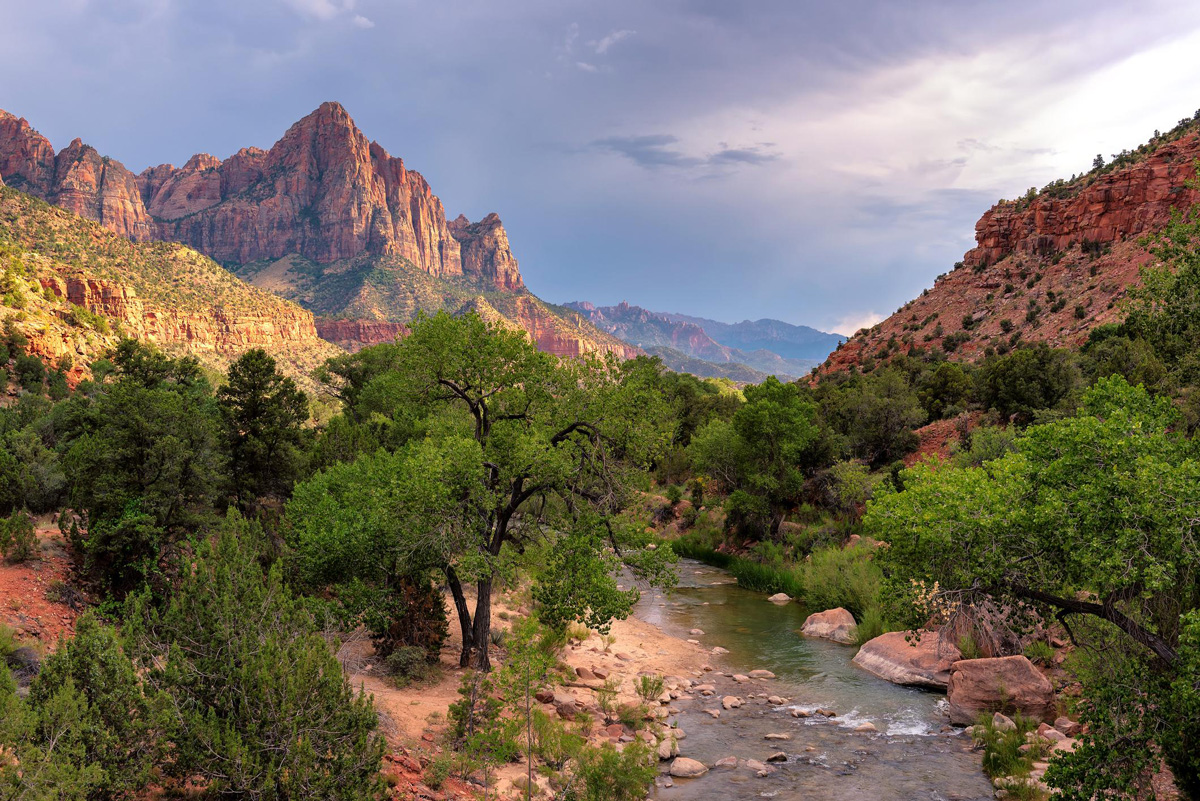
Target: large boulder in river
<point>684,768</point>
<point>1000,684</point>
<point>924,661</point>
<point>832,624</point>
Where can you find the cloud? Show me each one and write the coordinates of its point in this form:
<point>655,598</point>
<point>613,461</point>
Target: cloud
<point>362,22</point>
<point>317,9</point>
<point>662,150</point>
<point>583,66</point>
<point>601,47</point>
<point>744,155</point>
<point>849,325</point>
<point>648,150</point>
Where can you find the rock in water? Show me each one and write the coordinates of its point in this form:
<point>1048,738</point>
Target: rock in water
<point>780,598</point>
<point>999,684</point>
<point>925,662</point>
<point>832,624</point>
<point>684,768</point>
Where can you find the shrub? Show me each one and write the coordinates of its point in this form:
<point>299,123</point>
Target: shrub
<point>30,373</point>
<point>1002,755</point>
<point>846,577</point>
<point>674,495</point>
<point>649,687</point>
<point>605,774</point>
<point>1006,326</point>
<point>259,705</point>
<point>117,721</point>
<point>1040,651</point>
<point>18,538</point>
<point>406,664</point>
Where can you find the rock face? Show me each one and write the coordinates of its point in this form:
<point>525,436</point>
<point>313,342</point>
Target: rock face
<point>832,624</point>
<point>1072,250</point>
<point>999,684</point>
<point>354,335</point>
<point>926,662</point>
<point>323,193</point>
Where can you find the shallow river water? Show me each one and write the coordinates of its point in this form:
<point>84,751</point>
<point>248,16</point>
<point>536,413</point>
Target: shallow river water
<point>910,758</point>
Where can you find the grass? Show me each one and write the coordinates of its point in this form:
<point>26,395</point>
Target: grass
<point>650,687</point>
<point>1002,755</point>
<point>1040,651</point>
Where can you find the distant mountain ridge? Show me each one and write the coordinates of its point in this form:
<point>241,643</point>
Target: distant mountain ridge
<point>324,217</point>
<point>746,351</point>
<point>788,340</point>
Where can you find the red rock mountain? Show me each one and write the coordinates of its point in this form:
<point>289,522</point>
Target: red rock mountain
<point>1049,267</point>
<point>322,194</point>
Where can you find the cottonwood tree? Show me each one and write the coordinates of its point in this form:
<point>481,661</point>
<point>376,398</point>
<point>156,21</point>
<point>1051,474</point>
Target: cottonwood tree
<point>496,445</point>
<point>1091,521</point>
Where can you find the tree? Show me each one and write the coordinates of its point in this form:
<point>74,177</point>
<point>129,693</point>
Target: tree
<point>541,443</point>
<point>259,705</point>
<point>532,658</point>
<point>142,453</point>
<point>1030,380</point>
<point>946,391</point>
<point>1091,521</point>
<point>116,721</point>
<point>262,412</point>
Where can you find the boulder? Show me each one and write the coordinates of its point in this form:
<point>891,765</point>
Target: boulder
<point>684,768</point>
<point>780,598</point>
<point>998,684</point>
<point>731,702</point>
<point>1067,726</point>
<point>727,762</point>
<point>761,674</point>
<point>924,662</point>
<point>832,624</point>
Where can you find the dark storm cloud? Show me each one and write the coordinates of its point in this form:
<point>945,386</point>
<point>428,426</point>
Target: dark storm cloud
<point>624,142</point>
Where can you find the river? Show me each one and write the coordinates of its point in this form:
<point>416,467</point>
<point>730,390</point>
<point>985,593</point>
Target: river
<point>910,758</point>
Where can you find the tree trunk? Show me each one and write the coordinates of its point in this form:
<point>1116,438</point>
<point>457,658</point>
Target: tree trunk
<point>464,615</point>
<point>482,628</point>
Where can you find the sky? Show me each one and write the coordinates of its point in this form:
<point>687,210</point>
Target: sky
<point>814,162</point>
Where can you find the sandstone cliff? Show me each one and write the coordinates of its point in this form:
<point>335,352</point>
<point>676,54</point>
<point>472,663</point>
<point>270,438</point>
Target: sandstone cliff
<point>324,217</point>
<point>1049,267</point>
<point>82,287</point>
<point>322,191</point>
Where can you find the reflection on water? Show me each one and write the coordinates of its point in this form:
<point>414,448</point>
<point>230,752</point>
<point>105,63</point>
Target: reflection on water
<point>911,758</point>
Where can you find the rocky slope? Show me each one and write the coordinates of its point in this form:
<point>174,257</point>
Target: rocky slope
<point>73,288</point>
<point>323,204</point>
<point>685,344</point>
<point>1049,267</point>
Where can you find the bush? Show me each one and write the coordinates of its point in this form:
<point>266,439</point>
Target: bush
<point>30,373</point>
<point>649,687</point>
<point>18,537</point>
<point>259,705</point>
<point>117,721</point>
<point>1040,651</point>
<point>407,663</point>
<point>848,578</point>
<point>1002,755</point>
<point>605,774</point>
<point>674,495</point>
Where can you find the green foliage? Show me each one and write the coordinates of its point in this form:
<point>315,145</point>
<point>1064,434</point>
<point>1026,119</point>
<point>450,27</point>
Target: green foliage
<point>1029,380</point>
<point>606,774</point>
<point>649,686</point>
<point>18,538</point>
<point>1039,651</point>
<point>1002,755</point>
<point>142,459</point>
<point>406,664</point>
<point>532,658</point>
<point>117,722</point>
<point>490,444</point>
<point>262,412</point>
<point>845,577</point>
<point>294,727</point>
<point>1098,504</point>
<point>945,391</point>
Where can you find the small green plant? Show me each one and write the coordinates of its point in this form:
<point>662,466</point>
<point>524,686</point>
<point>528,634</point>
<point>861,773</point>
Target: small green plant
<point>18,537</point>
<point>674,495</point>
<point>1040,651</point>
<point>606,697</point>
<point>969,648</point>
<point>649,686</point>
<point>1002,754</point>
<point>498,637</point>
<point>437,771</point>
<point>406,664</point>
<point>631,715</point>
<point>606,774</point>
